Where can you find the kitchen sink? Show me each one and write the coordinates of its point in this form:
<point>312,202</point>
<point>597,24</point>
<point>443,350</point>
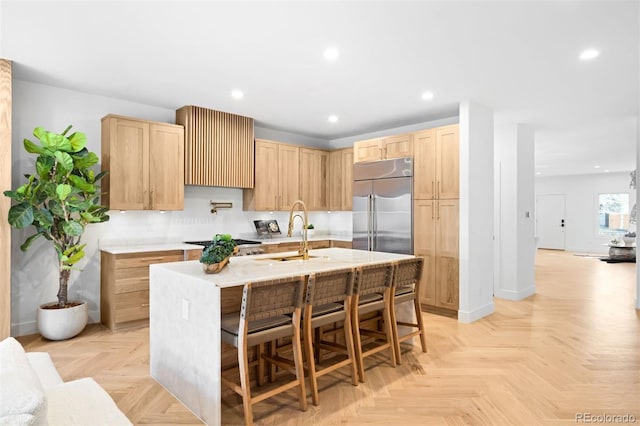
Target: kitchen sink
<point>286,258</point>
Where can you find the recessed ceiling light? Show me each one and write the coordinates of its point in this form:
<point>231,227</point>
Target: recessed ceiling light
<point>538,173</point>
<point>333,119</point>
<point>237,94</point>
<point>427,96</point>
<point>606,171</point>
<point>589,54</point>
<point>331,54</point>
<point>596,167</point>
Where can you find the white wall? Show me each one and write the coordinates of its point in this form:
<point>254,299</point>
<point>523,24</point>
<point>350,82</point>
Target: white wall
<point>476,212</point>
<point>34,273</point>
<point>581,201</point>
<point>514,206</point>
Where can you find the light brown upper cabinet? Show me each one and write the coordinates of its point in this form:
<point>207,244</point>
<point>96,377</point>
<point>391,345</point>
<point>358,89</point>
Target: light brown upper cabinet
<point>145,161</point>
<point>219,147</point>
<point>314,169</point>
<point>436,165</point>
<point>341,179</point>
<point>277,174</point>
<point>383,148</point>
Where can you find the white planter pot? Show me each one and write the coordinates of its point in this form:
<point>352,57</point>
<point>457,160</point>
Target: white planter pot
<point>62,324</point>
<point>628,241</point>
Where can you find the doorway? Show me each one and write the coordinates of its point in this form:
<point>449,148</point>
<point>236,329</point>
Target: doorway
<point>550,222</point>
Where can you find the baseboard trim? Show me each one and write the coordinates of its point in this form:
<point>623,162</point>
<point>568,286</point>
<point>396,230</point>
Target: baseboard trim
<point>476,314</point>
<point>439,311</point>
<point>515,295</point>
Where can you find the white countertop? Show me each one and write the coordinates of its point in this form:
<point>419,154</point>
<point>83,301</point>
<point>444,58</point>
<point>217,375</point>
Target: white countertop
<point>141,248</point>
<point>252,268</point>
<point>149,246</point>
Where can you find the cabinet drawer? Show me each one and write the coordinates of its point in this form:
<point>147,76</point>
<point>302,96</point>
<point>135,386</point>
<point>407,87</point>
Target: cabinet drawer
<point>319,244</point>
<point>127,285</point>
<point>132,306</point>
<point>137,260</point>
<point>138,272</point>
<point>194,254</point>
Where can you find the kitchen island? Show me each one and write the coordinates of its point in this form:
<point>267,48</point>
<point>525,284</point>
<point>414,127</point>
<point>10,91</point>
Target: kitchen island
<point>185,314</point>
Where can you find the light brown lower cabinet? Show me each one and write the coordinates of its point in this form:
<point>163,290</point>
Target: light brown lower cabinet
<point>436,238</point>
<point>124,285</point>
<point>124,279</point>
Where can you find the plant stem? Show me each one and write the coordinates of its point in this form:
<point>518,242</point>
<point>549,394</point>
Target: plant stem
<point>64,281</point>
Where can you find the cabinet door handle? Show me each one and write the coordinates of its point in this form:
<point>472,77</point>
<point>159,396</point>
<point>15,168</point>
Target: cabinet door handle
<point>433,190</point>
<point>144,305</point>
<point>439,189</point>
<point>433,206</point>
<point>438,218</point>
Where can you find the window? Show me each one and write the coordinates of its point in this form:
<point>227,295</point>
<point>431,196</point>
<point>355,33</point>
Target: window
<point>613,214</point>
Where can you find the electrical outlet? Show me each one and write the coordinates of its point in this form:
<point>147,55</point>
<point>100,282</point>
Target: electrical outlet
<point>185,309</point>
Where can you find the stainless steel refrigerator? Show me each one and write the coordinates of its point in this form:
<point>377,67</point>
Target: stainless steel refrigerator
<point>382,206</point>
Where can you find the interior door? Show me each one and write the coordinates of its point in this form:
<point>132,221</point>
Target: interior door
<point>550,222</point>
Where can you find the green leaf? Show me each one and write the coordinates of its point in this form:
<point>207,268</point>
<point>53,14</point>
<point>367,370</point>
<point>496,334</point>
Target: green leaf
<point>88,217</point>
<point>27,243</point>
<point>82,184</point>
<point>44,164</point>
<point>49,188</point>
<point>73,228</point>
<point>78,141</point>
<point>91,176</point>
<point>53,141</point>
<point>21,215</point>
<point>64,161</point>
<point>101,175</point>
<point>63,190</point>
<point>56,208</point>
<point>31,147</point>
<point>44,217</point>
<point>15,195</point>
<point>86,162</point>
<point>75,258</point>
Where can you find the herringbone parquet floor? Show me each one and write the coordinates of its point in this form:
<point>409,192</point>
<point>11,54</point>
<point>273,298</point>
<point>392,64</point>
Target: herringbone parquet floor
<point>573,347</point>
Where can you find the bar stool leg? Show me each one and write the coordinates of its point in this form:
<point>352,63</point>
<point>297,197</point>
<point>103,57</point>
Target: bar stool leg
<point>423,336</point>
<point>348,337</point>
<point>243,365</point>
<point>311,365</point>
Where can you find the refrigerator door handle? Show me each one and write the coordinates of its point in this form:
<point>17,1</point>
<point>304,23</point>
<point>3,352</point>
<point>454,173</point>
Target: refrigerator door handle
<point>374,230</point>
<point>370,222</point>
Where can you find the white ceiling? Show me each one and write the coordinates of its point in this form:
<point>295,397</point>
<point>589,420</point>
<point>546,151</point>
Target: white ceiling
<point>519,58</point>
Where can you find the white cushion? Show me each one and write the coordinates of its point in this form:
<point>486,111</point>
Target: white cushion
<point>83,402</point>
<point>22,398</point>
<point>44,368</point>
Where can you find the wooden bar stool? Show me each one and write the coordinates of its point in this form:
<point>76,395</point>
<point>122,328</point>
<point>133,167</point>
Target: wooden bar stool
<point>328,301</point>
<point>372,292</point>
<point>406,287</point>
<point>263,318</point>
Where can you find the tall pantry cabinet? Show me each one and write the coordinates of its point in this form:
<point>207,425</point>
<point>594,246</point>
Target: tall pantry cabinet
<point>436,213</point>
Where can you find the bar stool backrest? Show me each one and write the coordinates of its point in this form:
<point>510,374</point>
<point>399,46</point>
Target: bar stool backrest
<point>262,300</point>
<point>330,286</point>
<point>408,272</point>
<point>372,279</point>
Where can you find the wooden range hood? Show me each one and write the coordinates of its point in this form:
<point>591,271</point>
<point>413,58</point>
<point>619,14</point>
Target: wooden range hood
<point>219,147</point>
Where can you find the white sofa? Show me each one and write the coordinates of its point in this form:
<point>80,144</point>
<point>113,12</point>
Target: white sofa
<point>32,393</point>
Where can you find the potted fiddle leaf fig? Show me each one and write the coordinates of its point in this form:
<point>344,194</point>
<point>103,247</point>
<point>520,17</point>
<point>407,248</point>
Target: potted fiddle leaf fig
<point>59,199</point>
